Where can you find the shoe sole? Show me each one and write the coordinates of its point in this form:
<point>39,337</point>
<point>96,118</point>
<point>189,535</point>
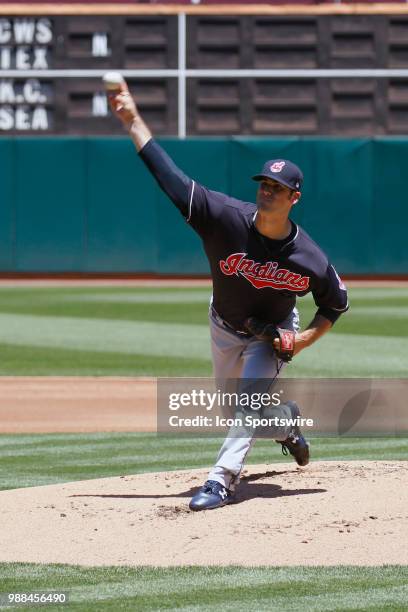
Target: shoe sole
<point>304,462</point>
<point>211,507</point>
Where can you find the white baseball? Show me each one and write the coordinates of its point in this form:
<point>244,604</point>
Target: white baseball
<point>113,80</point>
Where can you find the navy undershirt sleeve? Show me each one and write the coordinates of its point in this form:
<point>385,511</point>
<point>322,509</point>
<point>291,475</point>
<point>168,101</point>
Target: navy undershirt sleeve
<point>171,179</point>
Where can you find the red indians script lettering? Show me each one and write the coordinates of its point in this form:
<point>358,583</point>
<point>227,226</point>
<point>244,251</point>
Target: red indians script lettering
<point>263,275</point>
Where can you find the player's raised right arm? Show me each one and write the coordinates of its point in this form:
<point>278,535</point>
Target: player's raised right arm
<point>171,179</point>
<point>124,108</point>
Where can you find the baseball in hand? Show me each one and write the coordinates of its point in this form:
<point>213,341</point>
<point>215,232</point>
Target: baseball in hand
<point>114,82</point>
<point>120,100</point>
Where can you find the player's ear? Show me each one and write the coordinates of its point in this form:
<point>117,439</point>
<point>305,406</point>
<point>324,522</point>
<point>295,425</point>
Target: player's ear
<point>296,195</point>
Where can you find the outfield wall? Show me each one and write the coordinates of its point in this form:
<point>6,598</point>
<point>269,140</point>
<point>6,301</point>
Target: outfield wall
<point>89,205</point>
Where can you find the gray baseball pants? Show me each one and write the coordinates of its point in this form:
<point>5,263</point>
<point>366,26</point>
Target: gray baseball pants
<point>237,358</point>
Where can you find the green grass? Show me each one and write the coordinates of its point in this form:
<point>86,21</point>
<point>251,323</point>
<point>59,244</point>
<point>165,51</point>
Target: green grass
<point>40,361</point>
<point>371,308</point>
<point>31,460</point>
<point>163,331</point>
<point>118,303</point>
<point>204,589</point>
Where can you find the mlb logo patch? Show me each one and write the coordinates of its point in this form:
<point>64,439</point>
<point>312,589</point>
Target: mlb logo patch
<point>277,166</point>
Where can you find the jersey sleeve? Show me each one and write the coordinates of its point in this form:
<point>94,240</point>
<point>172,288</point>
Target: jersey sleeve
<point>205,207</point>
<point>330,295</point>
<point>197,204</point>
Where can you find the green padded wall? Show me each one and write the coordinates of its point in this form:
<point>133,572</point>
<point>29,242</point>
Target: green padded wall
<point>389,206</point>
<point>90,205</point>
<point>7,206</point>
<point>49,201</point>
<point>120,209</point>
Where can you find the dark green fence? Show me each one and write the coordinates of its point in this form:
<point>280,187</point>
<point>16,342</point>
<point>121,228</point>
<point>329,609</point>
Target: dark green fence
<point>89,204</point>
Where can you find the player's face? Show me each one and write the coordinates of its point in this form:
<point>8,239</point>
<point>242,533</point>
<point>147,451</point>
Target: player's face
<point>274,196</point>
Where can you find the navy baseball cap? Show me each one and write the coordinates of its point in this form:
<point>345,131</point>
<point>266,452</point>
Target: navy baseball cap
<point>283,171</point>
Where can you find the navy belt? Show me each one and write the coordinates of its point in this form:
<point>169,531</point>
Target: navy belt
<point>227,325</point>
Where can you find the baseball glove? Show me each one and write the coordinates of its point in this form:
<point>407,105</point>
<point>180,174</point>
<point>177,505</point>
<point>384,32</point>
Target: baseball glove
<point>285,346</point>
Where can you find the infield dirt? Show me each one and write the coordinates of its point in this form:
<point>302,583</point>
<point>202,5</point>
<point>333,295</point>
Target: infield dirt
<point>329,513</point>
<point>77,404</point>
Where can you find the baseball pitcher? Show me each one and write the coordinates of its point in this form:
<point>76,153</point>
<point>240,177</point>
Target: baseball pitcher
<point>260,262</point>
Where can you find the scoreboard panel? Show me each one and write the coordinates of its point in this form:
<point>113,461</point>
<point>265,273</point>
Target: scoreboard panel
<point>207,74</point>
<point>56,56</point>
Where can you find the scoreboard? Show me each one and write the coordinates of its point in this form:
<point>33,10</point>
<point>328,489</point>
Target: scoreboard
<point>51,68</point>
<point>207,74</point>
<point>25,103</point>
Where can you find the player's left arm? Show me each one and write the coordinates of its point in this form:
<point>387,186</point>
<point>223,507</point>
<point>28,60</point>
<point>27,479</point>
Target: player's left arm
<point>330,295</point>
<point>315,330</point>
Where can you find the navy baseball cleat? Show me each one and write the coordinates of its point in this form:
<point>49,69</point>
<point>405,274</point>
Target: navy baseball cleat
<point>295,443</point>
<point>211,495</point>
<point>297,446</point>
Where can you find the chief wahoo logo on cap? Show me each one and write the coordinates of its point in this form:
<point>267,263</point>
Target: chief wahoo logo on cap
<point>277,166</point>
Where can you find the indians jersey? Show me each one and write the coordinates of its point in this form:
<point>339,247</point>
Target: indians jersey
<point>252,275</point>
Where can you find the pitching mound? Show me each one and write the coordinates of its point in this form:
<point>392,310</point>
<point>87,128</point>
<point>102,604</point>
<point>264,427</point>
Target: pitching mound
<point>327,514</point>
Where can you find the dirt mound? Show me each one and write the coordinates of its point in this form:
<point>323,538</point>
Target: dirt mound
<point>328,513</point>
